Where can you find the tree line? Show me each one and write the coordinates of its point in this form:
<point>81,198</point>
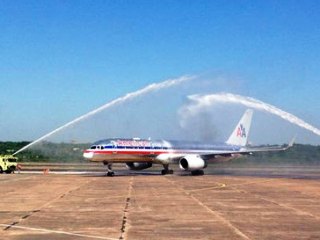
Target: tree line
<point>46,151</point>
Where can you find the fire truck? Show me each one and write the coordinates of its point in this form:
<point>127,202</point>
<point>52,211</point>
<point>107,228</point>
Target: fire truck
<point>8,163</point>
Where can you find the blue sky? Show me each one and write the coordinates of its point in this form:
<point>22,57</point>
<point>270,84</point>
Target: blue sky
<point>61,59</point>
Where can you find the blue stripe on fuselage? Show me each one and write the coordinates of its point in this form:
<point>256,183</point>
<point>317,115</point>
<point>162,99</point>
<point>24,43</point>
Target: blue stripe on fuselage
<point>160,144</point>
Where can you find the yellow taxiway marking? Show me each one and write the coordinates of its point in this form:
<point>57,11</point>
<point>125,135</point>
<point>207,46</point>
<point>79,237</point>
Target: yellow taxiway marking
<point>223,185</point>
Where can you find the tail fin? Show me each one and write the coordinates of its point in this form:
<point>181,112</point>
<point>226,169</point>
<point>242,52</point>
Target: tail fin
<point>240,134</point>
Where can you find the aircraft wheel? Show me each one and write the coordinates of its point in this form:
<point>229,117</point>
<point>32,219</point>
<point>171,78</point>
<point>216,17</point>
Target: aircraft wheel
<point>1,171</point>
<point>197,173</point>
<point>165,171</point>
<point>110,174</point>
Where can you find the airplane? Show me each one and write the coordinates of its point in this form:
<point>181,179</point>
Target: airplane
<point>139,154</point>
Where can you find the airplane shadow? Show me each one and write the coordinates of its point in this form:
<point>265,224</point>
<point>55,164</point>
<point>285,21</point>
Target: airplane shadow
<point>260,173</point>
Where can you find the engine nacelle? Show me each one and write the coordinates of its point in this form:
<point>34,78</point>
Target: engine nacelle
<point>138,165</point>
<point>192,163</point>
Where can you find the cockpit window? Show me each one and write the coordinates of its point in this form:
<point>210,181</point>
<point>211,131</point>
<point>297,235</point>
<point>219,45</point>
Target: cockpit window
<point>99,147</point>
<point>93,147</point>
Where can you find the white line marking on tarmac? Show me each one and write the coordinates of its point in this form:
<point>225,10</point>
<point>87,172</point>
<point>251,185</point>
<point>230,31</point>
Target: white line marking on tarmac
<point>65,172</point>
<point>56,231</point>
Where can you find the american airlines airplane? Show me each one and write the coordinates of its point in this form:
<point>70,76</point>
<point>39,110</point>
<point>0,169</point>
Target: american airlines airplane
<point>140,154</point>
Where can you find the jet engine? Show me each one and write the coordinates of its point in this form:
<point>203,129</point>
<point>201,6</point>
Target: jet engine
<point>192,163</point>
<point>138,165</point>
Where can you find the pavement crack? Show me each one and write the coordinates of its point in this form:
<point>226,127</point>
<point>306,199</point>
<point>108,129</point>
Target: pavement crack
<point>11,225</point>
<point>63,195</point>
<point>124,218</point>
<point>26,216</point>
<point>124,224</point>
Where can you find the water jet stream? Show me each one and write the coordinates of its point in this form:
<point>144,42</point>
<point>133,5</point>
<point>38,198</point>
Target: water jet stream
<point>150,88</point>
<point>202,101</point>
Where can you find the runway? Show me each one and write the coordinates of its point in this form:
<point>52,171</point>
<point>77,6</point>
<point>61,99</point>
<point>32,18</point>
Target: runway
<point>151,206</point>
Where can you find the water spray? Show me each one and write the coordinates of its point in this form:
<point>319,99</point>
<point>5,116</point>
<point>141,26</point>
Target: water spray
<point>203,101</point>
<point>150,88</point>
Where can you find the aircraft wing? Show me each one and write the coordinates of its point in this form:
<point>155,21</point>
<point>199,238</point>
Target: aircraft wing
<point>271,148</point>
<point>249,150</point>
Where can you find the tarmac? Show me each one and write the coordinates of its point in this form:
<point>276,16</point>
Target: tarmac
<point>232,204</point>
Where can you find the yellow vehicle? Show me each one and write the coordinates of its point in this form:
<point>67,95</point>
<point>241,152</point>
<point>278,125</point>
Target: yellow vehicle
<point>8,163</point>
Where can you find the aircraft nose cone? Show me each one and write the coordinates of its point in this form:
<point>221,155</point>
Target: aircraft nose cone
<point>88,155</point>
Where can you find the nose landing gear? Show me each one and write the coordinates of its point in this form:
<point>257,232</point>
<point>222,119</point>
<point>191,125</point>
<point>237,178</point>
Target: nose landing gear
<point>109,173</point>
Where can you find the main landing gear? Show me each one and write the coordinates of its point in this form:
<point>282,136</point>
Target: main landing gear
<point>166,170</point>
<point>197,173</point>
<point>110,173</point>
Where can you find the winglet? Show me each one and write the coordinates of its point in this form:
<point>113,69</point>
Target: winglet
<point>292,142</point>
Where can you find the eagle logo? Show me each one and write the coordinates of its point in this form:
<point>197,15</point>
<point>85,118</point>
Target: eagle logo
<point>241,132</point>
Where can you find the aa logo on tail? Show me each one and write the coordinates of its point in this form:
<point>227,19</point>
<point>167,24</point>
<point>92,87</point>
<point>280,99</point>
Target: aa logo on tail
<point>241,132</point>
